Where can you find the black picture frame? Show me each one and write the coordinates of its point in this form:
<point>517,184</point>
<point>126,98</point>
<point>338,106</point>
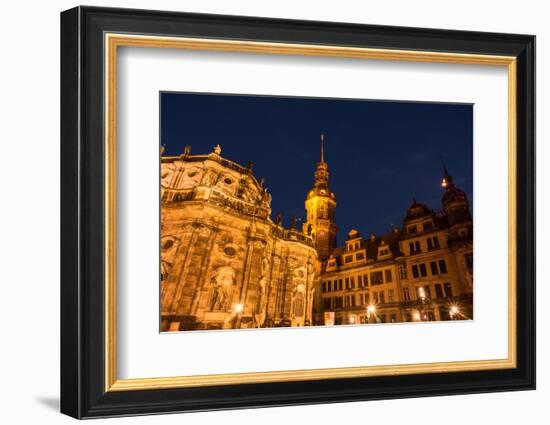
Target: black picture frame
<point>82,212</point>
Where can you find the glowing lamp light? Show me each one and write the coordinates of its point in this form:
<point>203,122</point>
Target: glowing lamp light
<point>371,308</point>
<point>352,319</point>
<point>454,310</point>
<point>416,316</point>
<point>238,308</point>
<point>421,292</point>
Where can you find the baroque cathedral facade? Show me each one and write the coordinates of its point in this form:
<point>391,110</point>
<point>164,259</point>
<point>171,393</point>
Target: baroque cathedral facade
<point>226,264</point>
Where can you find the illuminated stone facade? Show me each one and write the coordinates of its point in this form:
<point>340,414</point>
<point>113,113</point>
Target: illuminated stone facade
<point>422,271</point>
<point>224,262</point>
<point>320,205</point>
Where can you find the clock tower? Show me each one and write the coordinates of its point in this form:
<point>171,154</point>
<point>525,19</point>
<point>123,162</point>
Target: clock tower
<point>320,205</point>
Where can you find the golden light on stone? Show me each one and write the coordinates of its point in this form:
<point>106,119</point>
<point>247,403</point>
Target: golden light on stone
<point>221,251</point>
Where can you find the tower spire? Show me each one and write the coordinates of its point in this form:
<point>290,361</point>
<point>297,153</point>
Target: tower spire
<point>322,147</point>
<point>445,172</point>
<point>447,178</point>
<point>321,171</point>
<point>320,205</point>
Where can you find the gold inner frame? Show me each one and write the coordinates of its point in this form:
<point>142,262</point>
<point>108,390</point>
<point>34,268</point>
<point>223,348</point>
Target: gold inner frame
<point>113,41</point>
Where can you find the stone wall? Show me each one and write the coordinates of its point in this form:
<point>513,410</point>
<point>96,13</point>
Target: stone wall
<point>224,263</point>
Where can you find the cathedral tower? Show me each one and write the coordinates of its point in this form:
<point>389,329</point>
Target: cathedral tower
<point>457,208</point>
<point>320,205</point>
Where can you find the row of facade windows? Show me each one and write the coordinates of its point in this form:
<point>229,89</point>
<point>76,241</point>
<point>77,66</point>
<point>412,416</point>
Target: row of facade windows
<point>357,300</point>
<point>422,292</point>
<point>442,290</point>
<point>392,318</point>
<point>436,268</point>
<point>432,242</point>
<point>382,252</point>
<point>380,318</point>
<point>375,278</point>
<point>426,227</point>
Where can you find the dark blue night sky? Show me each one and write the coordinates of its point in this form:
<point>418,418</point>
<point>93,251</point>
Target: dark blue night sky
<point>380,154</point>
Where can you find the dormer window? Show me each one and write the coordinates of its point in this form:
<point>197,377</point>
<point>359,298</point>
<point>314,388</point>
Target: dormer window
<point>412,229</point>
<point>383,251</point>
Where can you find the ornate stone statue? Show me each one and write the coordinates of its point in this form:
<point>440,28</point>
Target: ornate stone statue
<point>279,219</point>
<point>218,149</point>
<point>222,283</point>
<point>187,150</point>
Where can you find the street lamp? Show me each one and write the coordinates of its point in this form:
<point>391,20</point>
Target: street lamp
<point>422,293</point>
<point>454,311</point>
<point>371,311</point>
<point>237,309</point>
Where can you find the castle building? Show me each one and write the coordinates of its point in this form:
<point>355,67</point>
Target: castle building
<point>422,271</point>
<point>224,263</point>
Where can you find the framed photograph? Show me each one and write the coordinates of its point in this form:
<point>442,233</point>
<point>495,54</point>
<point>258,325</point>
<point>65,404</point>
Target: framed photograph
<point>261,212</point>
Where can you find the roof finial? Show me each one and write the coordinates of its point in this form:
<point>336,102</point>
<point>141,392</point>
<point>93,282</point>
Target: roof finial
<point>322,147</point>
<point>445,172</point>
<point>447,178</point>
